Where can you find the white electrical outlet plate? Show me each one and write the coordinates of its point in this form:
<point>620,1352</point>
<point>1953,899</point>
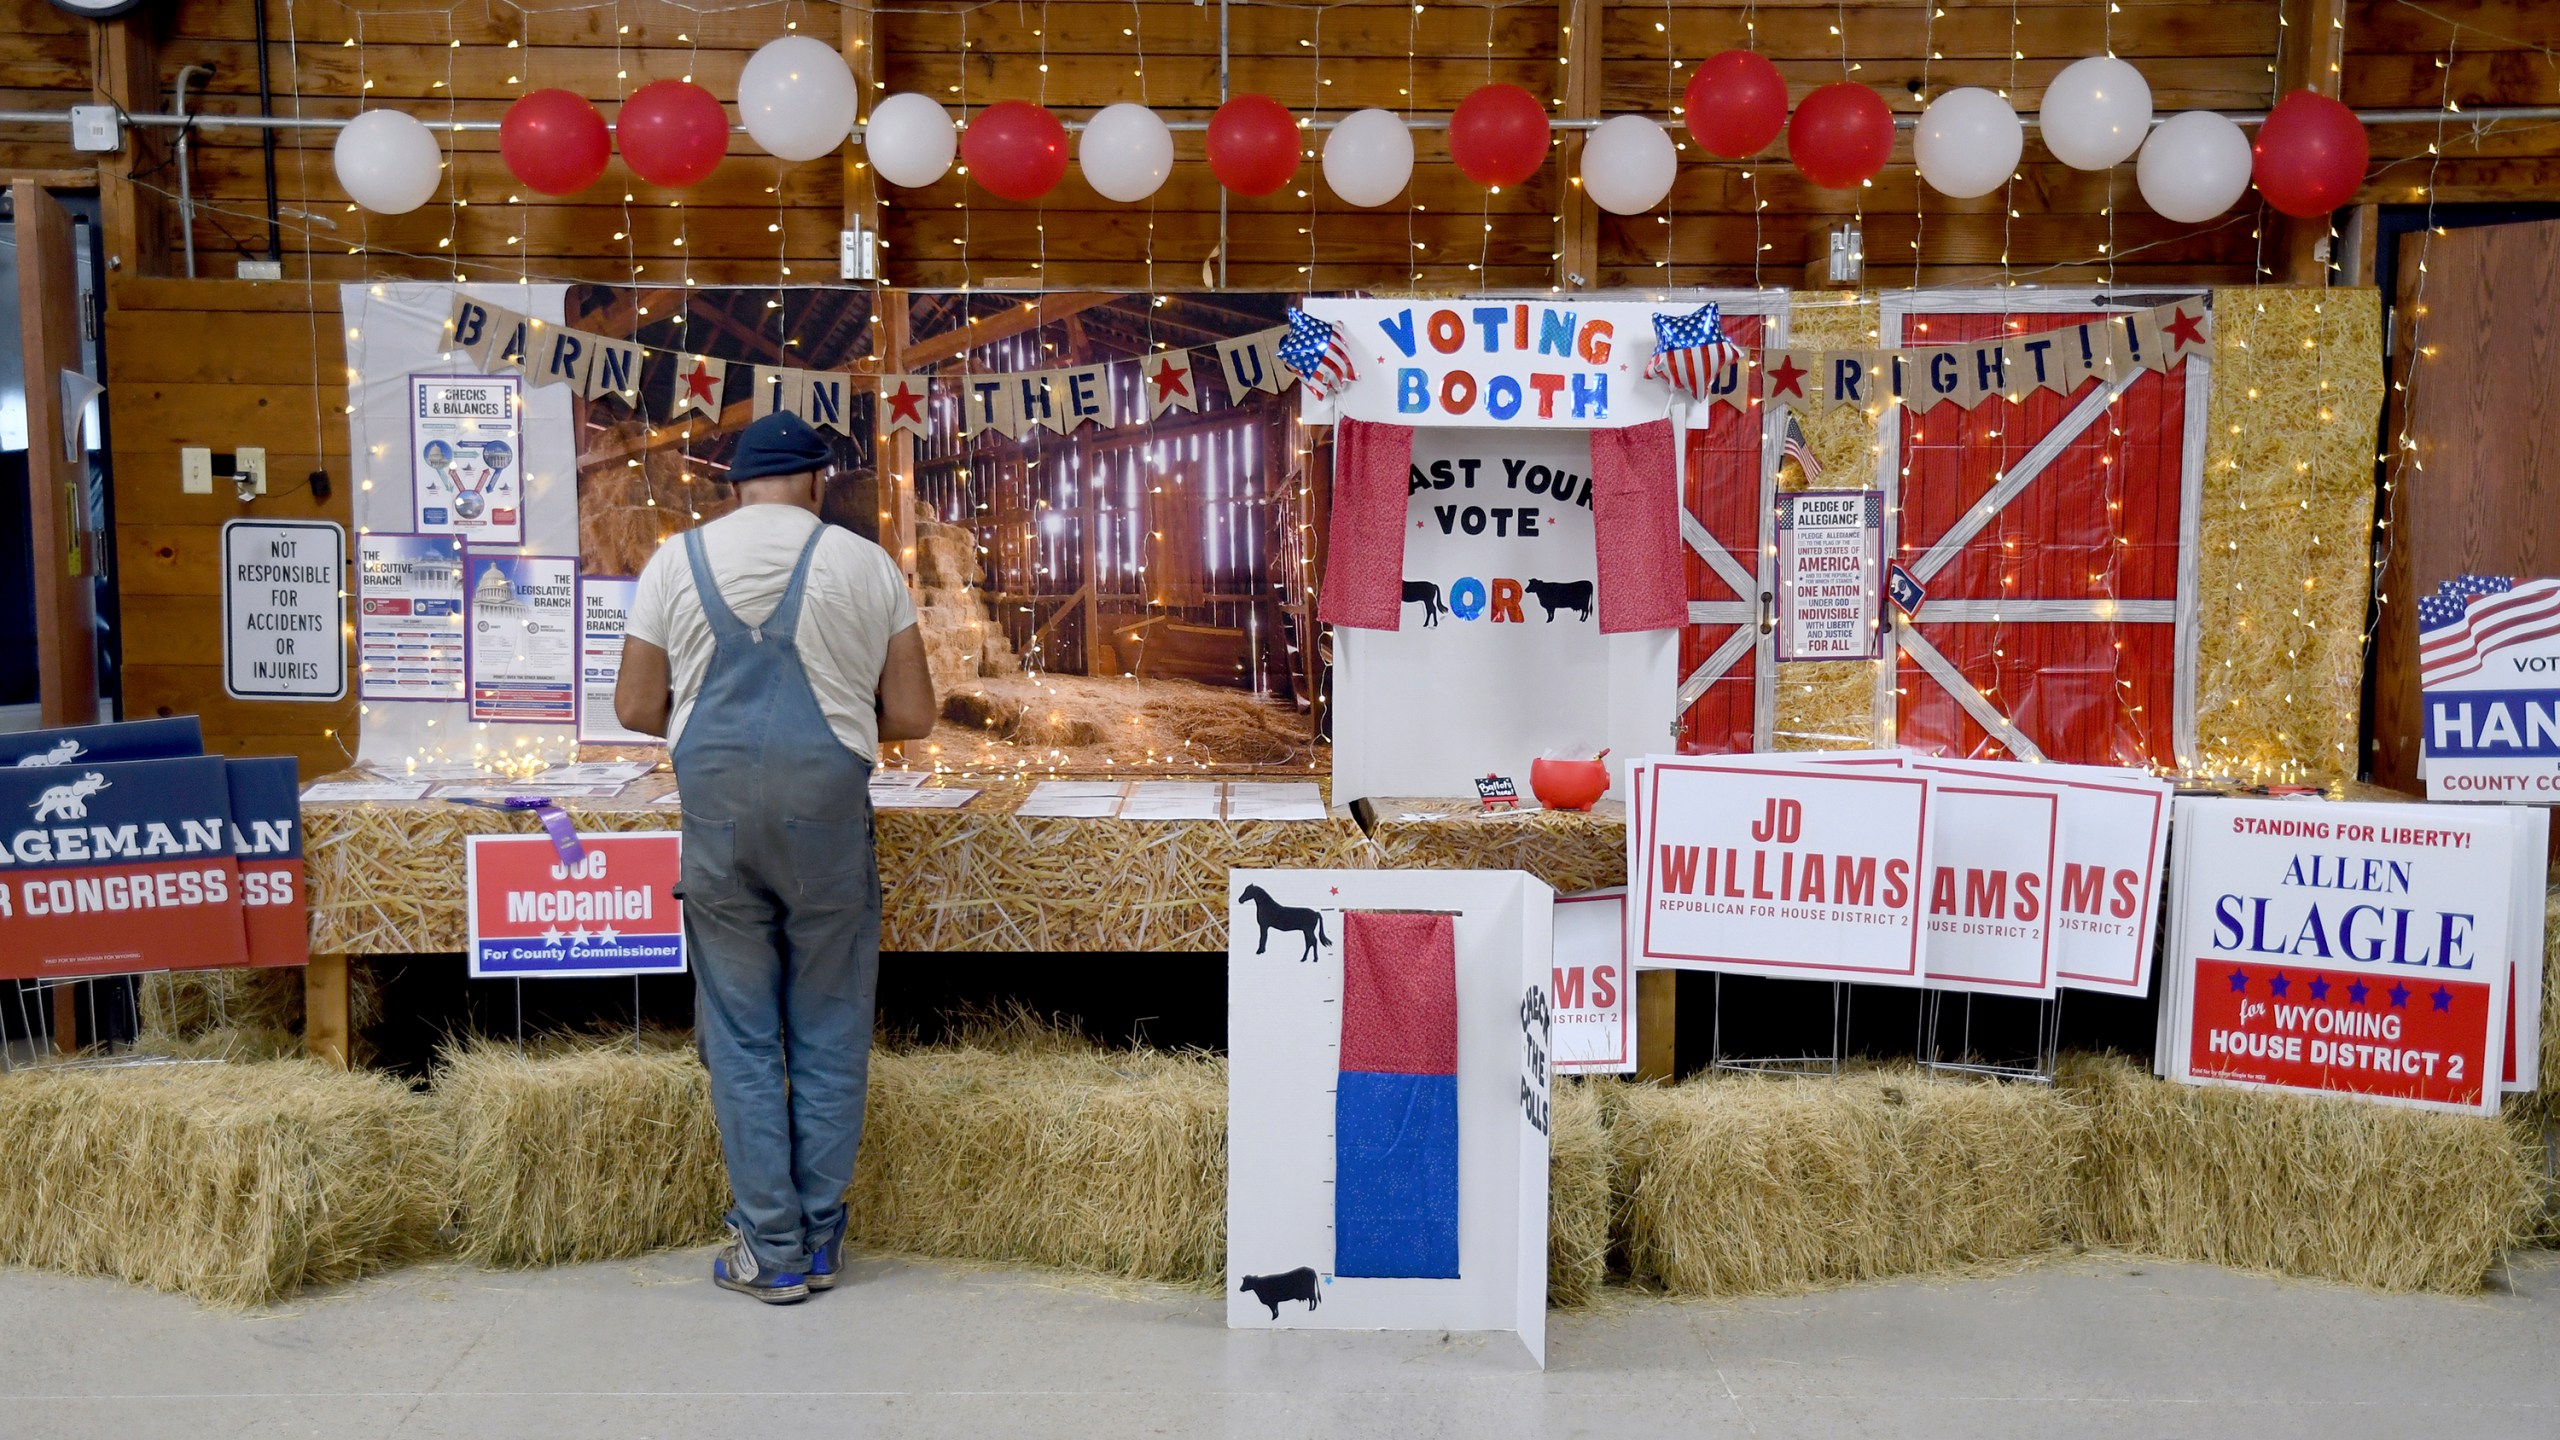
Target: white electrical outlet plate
<point>195,470</point>
<point>250,464</point>
<point>259,270</point>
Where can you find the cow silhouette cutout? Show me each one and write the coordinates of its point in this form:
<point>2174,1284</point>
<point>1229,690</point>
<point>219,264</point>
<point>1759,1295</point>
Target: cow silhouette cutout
<point>1298,1284</point>
<point>1429,594</point>
<point>1574,595</point>
<point>1271,915</point>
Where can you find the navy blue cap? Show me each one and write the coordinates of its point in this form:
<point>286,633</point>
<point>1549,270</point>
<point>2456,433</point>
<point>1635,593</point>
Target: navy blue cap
<point>778,444</point>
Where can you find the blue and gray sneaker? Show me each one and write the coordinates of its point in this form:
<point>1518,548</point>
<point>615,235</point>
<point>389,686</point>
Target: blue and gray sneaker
<point>822,1264</point>
<point>736,1268</point>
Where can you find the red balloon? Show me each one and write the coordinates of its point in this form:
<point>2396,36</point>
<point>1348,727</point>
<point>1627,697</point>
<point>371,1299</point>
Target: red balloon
<point>672,133</point>
<point>1499,135</point>
<point>1253,145</point>
<point>1016,149</point>
<point>554,142</point>
<point>1841,134</point>
<point>1735,104</point>
<point>2311,154</point>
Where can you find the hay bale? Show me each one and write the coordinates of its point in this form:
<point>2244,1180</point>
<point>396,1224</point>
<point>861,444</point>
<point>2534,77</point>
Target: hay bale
<point>1742,1185</point>
<point>577,1151</point>
<point>2548,1082</point>
<point>236,1184</point>
<point>2336,1189</point>
<point>1579,1191</point>
<point>1061,1154</point>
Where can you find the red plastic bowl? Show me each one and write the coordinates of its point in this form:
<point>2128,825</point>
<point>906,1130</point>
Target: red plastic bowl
<point>1568,784</point>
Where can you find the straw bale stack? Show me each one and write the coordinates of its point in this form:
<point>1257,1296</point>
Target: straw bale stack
<point>577,1151</point>
<point>2336,1189</point>
<point>1750,1185</point>
<point>237,1184</point>
<point>961,641</point>
<point>1581,1189</point>
<point>1572,850</point>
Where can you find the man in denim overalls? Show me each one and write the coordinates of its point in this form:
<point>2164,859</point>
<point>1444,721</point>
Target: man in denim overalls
<point>779,651</point>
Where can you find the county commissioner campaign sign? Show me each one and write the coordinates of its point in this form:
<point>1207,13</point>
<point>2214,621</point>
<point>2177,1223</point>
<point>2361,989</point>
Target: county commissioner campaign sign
<point>612,913</point>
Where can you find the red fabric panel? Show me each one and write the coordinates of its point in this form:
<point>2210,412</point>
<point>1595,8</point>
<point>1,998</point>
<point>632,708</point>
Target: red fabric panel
<point>2100,521</point>
<point>1723,492</point>
<point>1635,518</point>
<point>1399,993</point>
<point>1364,549</point>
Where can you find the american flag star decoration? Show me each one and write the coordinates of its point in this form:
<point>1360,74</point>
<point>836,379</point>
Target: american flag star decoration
<point>1689,349</point>
<point>1316,351</point>
<point>2471,615</point>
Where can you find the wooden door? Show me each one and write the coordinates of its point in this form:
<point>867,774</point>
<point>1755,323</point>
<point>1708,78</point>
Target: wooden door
<point>57,489</point>
<point>2477,490</point>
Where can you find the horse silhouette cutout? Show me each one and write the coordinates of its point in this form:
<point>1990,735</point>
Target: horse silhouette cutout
<point>1271,915</point>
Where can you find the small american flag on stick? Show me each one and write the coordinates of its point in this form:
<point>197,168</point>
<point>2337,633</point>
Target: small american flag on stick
<point>2471,615</point>
<point>1315,350</point>
<point>1800,450</point>
<point>1689,350</point>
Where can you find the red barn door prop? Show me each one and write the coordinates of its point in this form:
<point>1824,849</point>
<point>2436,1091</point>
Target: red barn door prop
<point>1725,494</point>
<point>2052,538</point>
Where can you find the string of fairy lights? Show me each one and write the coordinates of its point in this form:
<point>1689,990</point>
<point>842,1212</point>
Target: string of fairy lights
<point>2221,753</point>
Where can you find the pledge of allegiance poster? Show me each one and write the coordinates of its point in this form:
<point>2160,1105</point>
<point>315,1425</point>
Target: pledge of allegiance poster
<point>1830,569</point>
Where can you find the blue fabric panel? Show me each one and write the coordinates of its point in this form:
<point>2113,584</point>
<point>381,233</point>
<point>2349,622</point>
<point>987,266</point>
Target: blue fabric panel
<point>1395,1193</point>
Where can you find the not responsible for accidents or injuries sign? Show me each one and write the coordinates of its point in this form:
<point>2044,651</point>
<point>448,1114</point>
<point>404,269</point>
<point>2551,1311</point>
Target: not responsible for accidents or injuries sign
<point>284,610</point>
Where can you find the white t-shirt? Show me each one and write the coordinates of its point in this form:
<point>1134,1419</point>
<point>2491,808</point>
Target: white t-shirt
<point>854,601</point>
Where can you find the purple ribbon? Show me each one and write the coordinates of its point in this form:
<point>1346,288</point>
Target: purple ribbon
<point>555,822</point>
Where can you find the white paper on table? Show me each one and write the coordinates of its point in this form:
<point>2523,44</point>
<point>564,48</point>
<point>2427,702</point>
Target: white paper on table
<point>510,789</point>
<point>596,772</point>
<point>1071,800</point>
<point>905,798</point>
<point>1275,800</point>
<point>899,779</point>
<point>671,798</point>
<point>444,770</point>
<point>327,790</point>
<point>1172,800</point>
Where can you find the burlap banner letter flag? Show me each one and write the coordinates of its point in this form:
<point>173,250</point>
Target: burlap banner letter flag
<point>561,356</point>
<point>511,341</point>
<point>1790,379</point>
<point>1937,374</point>
<point>1036,405</point>
<point>614,370</point>
<point>986,403</point>
<point>826,401</point>
<point>778,388</point>
<point>698,381</point>
<point>2185,329</point>
<point>467,323</point>
<point>1171,382</point>
<point>1086,395</point>
<point>904,399</point>
<point>1253,362</point>
<point>1849,378</point>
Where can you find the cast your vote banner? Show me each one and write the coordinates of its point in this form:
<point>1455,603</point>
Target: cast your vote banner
<point>1767,865</point>
<point>117,867</point>
<point>2354,949</point>
<point>1510,364</point>
<point>612,913</point>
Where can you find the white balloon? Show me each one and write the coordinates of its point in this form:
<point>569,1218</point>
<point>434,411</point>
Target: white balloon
<point>1628,164</point>
<point>1126,152</point>
<point>387,162</point>
<point>1967,142</point>
<point>2096,113</point>
<point>2194,167</point>
<point>1368,157</point>
<point>910,140</point>
<point>797,98</point>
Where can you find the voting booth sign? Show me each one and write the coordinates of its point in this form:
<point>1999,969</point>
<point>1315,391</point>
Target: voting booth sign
<point>2355,949</point>
<point>117,868</point>
<point>614,912</point>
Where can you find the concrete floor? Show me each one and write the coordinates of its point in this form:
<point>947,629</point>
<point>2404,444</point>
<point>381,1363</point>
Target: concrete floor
<point>2089,1347</point>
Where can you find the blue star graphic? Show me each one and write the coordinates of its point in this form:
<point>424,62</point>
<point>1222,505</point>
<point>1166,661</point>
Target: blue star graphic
<point>2356,993</point>
<point>2319,987</point>
<point>2400,996</point>
<point>2279,985</point>
<point>2443,998</point>
<point>2239,982</point>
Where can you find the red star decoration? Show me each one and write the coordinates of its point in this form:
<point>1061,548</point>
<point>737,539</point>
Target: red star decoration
<point>1787,377</point>
<point>2185,331</point>
<point>698,384</point>
<point>1169,379</point>
<point>906,404</point>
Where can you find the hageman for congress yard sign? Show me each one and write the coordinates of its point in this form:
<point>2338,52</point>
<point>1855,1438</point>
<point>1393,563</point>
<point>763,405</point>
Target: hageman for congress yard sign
<point>613,913</point>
